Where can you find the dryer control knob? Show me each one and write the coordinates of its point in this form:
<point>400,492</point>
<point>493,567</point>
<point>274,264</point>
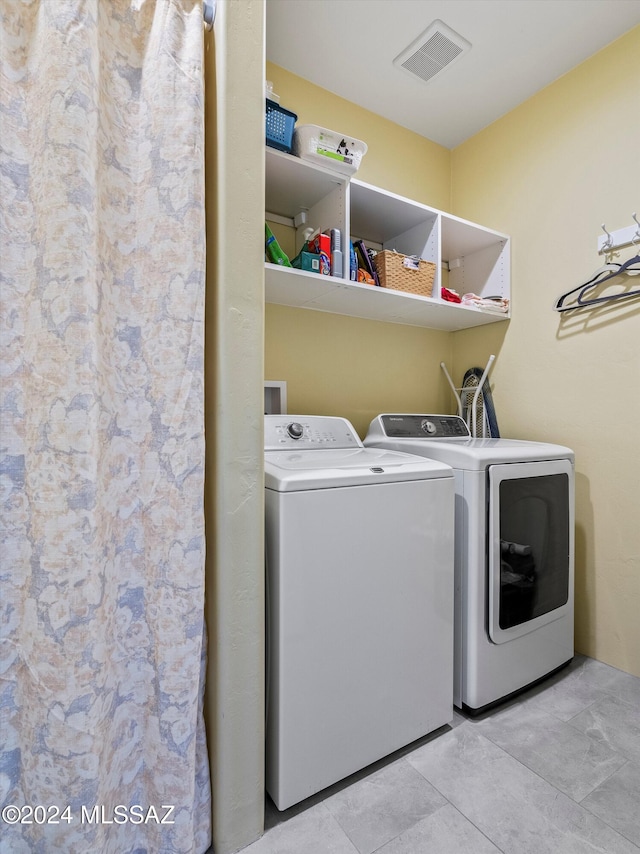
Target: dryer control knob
<point>429,427</point>
<point>295,430</point>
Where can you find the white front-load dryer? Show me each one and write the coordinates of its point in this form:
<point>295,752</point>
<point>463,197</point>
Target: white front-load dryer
<point>359,548</point>
<point>514,552</point>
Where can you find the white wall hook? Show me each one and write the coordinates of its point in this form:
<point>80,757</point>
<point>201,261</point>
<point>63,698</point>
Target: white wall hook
<point>608,244</point>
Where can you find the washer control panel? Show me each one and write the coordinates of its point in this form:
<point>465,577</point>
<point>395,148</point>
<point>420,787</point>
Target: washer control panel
<point>308,432</point>
<point>424,427</point>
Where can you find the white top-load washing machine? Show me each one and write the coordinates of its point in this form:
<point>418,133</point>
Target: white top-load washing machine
<point>514,552</point>
<point>359,554</point>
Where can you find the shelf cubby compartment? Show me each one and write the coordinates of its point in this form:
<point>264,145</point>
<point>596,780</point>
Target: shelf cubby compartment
<point>385,220</point>
<point>478,259</point>
<point>294,186</point>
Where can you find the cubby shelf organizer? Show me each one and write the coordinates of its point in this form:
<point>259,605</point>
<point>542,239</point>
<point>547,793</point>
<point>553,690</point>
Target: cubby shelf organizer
<point>477,258</point>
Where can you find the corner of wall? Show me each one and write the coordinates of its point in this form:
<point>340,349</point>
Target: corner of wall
<point>234,490</point>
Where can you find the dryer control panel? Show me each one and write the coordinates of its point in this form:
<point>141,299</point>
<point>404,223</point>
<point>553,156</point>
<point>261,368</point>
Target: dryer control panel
<point>424,427</point>
<point>308,432</point>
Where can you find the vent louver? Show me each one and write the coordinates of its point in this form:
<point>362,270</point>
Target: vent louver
<point>436,49</point>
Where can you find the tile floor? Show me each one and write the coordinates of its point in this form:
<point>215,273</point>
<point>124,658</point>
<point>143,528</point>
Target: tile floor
<point>554,771</point>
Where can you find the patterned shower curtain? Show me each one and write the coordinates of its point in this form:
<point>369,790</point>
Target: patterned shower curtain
<point>101,434</point>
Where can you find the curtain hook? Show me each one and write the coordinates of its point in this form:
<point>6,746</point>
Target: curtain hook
<point>208,13</point>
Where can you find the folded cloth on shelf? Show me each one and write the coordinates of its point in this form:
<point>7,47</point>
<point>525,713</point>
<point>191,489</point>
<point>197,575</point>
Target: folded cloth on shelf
<point>449,296</point>
<point>498,304</point>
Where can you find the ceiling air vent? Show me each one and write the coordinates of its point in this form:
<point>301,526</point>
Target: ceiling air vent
<point>436,49</point>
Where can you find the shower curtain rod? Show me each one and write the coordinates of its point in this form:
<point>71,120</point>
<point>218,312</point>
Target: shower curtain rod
<point>209,13</point>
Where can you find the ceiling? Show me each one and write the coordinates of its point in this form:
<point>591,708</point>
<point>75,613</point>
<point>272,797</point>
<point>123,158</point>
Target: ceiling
<point>518,48</point>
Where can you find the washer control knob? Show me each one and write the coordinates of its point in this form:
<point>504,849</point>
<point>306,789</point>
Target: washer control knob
<point>295,430</point>
<point>428,426</point>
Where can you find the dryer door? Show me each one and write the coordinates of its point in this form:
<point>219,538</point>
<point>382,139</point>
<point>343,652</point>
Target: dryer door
<point>531,543</point>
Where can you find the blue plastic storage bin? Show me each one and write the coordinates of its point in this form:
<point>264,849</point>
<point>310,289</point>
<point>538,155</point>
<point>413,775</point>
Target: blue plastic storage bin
<point>279,126</point>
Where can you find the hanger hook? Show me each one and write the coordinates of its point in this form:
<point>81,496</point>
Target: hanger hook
<point>636,237</point>
<point>609,242</point>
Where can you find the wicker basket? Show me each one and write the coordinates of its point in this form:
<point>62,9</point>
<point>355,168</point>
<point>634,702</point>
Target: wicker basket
<point>405,272</point>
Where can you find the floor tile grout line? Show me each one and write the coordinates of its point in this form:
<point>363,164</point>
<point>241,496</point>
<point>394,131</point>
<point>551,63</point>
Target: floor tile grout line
<point>404,760</point>
<point>606,696</point>
<point>457,808</point>
<point>544,780</point>
<point>604,820</point>
<point>606,779</point>
<point>424,818</point>
<point>548,782</point>
<point>609,695</point>
<point>611,827</point>
<point>479,829</point>
<point>595,741</point>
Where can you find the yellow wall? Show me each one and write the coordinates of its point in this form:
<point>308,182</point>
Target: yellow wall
<point>549,173</point>
<point>397,159</point>
<point>336,365</point>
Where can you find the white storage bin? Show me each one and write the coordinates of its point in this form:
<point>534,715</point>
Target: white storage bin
<point>331,149</point>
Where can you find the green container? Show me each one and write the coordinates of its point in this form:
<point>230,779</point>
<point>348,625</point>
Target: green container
<point>308,261</point>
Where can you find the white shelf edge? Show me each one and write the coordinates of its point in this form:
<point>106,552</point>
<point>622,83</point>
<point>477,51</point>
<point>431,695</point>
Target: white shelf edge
<point>298,289</point>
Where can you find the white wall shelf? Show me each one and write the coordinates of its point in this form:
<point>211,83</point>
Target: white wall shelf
<point>478,257</point>
<point>285,286</point>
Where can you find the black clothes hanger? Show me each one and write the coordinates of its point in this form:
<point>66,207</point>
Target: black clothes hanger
<point>628,265</point>
<point>601,271</point>
<point>604,274</point>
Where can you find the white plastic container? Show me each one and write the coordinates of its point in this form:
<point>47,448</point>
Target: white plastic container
<point>331,149</point>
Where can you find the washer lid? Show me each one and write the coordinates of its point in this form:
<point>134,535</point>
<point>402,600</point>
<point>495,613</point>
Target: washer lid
<point>461,453</point>
<point>290,471</point>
